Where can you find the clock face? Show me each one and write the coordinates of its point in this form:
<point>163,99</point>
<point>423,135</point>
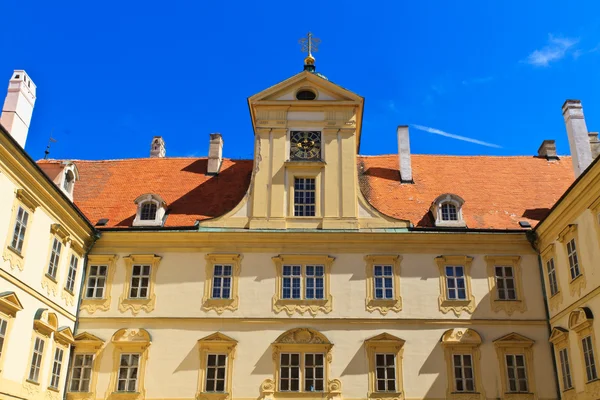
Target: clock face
<point>305,145</point>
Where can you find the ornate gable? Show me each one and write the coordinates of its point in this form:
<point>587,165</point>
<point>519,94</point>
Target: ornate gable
<point>9,303</point>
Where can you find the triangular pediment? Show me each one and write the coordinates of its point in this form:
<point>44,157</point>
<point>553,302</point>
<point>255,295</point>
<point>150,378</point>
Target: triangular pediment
<point>384,337</point>
<point>558,335</point>
<point>9,303</point>
<point>285,91</point>
<point>64,335</point>
<point>514,338</point>
<point>85,336</point>
<point>217,337</point>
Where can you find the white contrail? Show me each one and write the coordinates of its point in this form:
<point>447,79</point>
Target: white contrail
<point>453,136</point>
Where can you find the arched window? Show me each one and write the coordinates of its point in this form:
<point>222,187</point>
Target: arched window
<point>151,210</point>
<point>447,210</point>
<point>70,175</point>
<point>148,212</point>
<point>69,181</point>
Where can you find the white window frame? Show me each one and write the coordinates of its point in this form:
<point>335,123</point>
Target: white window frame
<point>302,371</point>
<point>463,380</point>
<point>72,273</point>
<point>20,229</point>
<point>456,279</point>
<point>57,362</point>
<point>86,365</point>
<point>552,280</point>
<point>303,280</point>
<point>591,372</point>
<point>54,261</point>
<point>37,355</point>
<point>386,277</point>
<point>160,210</point>
<point>216,369</point>
<point>140,279</point>
<point>131,372</point>
<point>437,210</point>
<point>386,377</point>
<point>219,279</point>
<point>94,277</point>
<point>290,367</point>
<point>305,194</point>
<point>449,211</point>
<point>3,334</point>
<point>504,290</point>
<point>147,209</point>
<point>565,368</point>
<point>515,370</point>
<point>574,269</point>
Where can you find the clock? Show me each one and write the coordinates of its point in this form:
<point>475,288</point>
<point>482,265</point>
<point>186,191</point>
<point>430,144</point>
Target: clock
<point>305,145</point>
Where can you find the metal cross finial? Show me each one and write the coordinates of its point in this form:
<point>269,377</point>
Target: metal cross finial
<point>309,44</point>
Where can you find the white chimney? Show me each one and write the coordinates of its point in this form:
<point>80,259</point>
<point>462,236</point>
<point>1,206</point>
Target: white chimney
<point>18,106</point>
<point>404,155</point>
<point>547,150</point>
<point>594,144</point>
<point>157,147</point>
<point>579,141</point>
<point>215,154</point>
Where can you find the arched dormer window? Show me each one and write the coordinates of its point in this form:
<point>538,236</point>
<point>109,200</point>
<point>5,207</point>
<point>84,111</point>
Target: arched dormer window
<point>447,210</point>
<point>70,175</point>
<point>150,210</point>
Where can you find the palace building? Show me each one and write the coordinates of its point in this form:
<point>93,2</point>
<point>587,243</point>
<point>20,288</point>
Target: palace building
<point>308,272</point>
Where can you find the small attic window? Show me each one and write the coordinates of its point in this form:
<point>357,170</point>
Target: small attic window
<point>447,211</point>
<point>151,210</point>
<point>306,94</point>
<point>69,181</point>
<point>70,175</point>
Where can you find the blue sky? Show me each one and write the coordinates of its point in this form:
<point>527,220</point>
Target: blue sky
<point>112,74</point>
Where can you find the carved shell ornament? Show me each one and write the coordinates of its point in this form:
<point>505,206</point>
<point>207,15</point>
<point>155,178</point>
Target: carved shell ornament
<point>302,336</point>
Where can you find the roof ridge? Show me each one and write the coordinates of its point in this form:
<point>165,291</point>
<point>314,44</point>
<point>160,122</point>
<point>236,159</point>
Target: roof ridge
<point>457,155</point>
<point>136,159</point>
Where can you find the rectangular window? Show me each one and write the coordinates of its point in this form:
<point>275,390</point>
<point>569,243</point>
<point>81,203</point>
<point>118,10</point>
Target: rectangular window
<point>464,380</point>
<point>36,360</point>
<point>3,328</point>
<point>96,282</point>
<point>19,231</point>
<point>289,373</point>
<point>573,261</point>
<point>314,372</point>
<point>292,276</point>
<point>56,367</point>
<point>590,361</point>
<point>215,372</point>
<point>552,282</point>
<point>221,282</point>
<point>516,373</point>
<point>565,369</point>
<point>385,372</point>
<point>54,258</point>
<point>383,281</point>
<point>315,277</point>
<point>304,197</point>
<point>455,282</point>
<point>140,282</point>
<point>72,273</point>
<point>81,373</point>
<point>128,373</point>
<point>505,283</point>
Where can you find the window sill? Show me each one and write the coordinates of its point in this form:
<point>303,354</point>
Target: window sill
<point>53,389</point>
<point>220,306</point>
<point>457,306</point>
<point>384,306</point>
<point>32,382</point>
<point>15,251</point>
<point>91,305</point>
<point>385,395</point>
<point>577,285</point>
<point>291,306</point>
<point>137,305</point>
<point>52,278</point>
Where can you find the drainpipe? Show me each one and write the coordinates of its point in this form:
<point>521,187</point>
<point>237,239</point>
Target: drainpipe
<point>95,237</point>
<point>532,238</point>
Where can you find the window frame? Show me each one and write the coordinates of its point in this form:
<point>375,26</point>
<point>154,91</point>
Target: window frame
<point>559,338</point>
<point>58,235</point>
<point>41,356</point>
<point>566,236</point>
<point>129,341</point>
<point>383,306</point>
<point>302,305</point>
<point>437,211</point>
<point>463,367</point>
<point>220,305</point>
<point>556,299</point>
<point>45,324</point>
<point>302,341</point>
<point>75,251</point>
<point>516,344</point>
<point>305,191</point>
<point>9,307</point>
<point>53,373</point>
<point>304,169</point>
<point>581,321</point>
<point>135,305</point>
<point>93,304</point>
<point>159,216</point>
<point>457,306</point>
<point>216,343</point>
<point>460,341</point>
<point>508,306</point>
<point>85,344</point>
<point>25,200</point>
<point>385,343</point>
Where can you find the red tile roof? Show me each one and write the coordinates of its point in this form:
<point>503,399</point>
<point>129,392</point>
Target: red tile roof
<point>107,189</point>
<point>498,191</point>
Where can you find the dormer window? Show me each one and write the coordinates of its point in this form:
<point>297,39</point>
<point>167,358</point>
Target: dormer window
<point>151,210</point>
<point>69,176</point>
<point>447,211</point>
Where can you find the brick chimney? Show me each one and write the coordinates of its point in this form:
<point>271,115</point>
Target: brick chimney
<point>215,154</point>
<point>18,106</point>
<point>404,155</point>
<point>579,141</point>
<point>547,150</point>
<point>157,147</point>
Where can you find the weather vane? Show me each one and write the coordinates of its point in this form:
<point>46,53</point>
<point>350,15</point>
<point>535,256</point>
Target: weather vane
<point>309,44</point>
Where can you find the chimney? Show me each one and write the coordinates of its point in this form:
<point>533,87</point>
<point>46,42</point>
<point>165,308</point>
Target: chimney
<point>594,144</point>
<point>157,148</point>
<point>579,141</point>
<point>215,154</point>
<point>404,155</point>
<point>18,106</point>
<point>548,150</point>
